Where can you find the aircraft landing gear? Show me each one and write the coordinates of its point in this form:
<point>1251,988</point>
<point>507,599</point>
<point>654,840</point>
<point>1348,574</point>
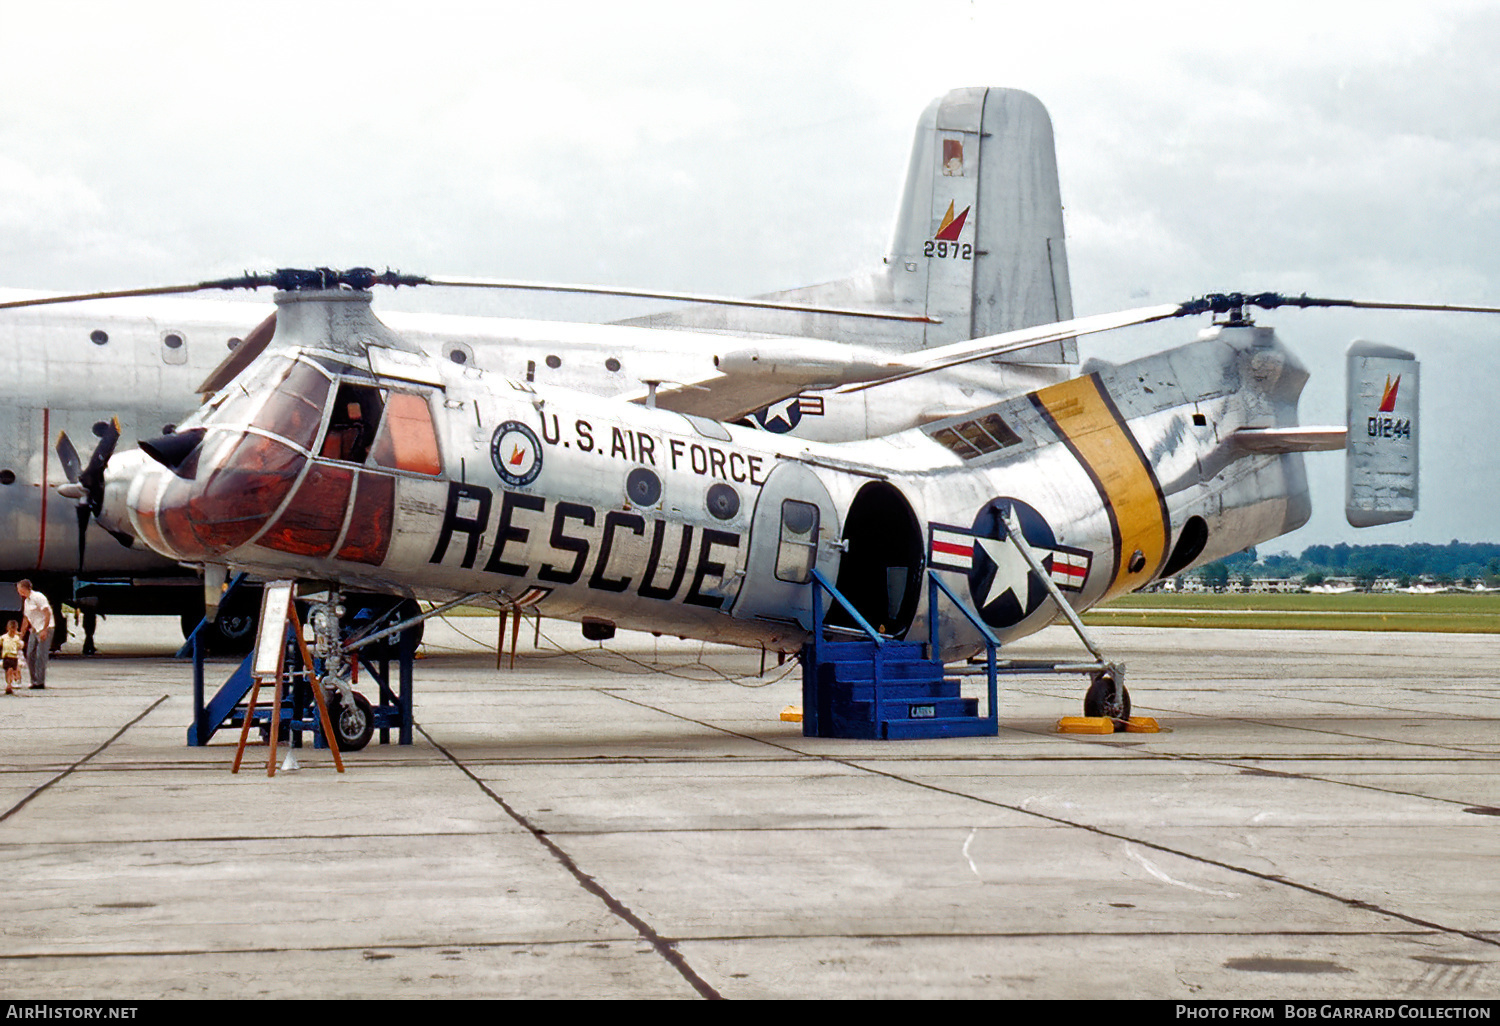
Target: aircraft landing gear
<point>352,716</point>
<point>1107,697</point>
<point>353,723</point>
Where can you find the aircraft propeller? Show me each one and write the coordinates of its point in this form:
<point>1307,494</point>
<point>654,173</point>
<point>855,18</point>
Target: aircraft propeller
<point>86,486</point>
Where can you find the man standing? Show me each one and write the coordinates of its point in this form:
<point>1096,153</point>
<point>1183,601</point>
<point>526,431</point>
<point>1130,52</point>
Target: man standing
<point>36,620</point>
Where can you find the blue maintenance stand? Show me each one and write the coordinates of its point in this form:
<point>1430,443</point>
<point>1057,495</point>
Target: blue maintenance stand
<point>878,688</point>
<point>393,710</point>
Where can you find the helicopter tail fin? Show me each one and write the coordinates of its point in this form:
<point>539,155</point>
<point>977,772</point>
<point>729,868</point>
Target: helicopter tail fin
<point>1381,457</point>
<point>978,241</point>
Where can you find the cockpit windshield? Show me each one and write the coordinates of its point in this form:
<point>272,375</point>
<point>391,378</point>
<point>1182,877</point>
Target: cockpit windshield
<point>295,409</point>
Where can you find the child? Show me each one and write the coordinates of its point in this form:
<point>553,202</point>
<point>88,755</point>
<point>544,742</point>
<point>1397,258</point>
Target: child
<point>10,655</point>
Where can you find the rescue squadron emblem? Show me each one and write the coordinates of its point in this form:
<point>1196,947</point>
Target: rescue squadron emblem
<point>516,454</point>
<point>1002,586</point>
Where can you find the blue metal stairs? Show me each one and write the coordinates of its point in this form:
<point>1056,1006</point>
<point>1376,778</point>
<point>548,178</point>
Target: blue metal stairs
<point>878,688</point>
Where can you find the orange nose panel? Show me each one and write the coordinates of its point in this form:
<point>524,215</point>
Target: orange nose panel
<point>213,517</point>
<point>315,518</point>
<point>370,521</point>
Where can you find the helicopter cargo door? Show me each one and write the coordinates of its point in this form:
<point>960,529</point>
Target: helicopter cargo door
<point>793,521</point>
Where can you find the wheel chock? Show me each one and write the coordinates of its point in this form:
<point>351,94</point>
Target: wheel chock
<point>1142,725</point>
<point>1085,725</point>
<point>791,714</point>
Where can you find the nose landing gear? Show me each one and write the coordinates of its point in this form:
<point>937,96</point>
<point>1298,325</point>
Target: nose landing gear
<point>353,717</point>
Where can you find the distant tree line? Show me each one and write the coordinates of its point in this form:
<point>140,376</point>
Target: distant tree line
<point>1464,563</point>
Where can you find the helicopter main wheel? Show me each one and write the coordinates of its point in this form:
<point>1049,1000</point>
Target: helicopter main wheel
<point>1100,700</point>
<point>353,726</point>
<point>233,631</point>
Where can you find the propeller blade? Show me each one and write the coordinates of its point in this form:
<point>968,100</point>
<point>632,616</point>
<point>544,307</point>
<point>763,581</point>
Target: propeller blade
<point>92,477</point>
<point>68,456</point>
<point>83,531</point>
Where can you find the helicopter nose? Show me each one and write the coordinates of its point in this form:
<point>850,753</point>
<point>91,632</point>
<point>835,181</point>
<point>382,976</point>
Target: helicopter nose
<point>173,450</point>
<point>241,479</point>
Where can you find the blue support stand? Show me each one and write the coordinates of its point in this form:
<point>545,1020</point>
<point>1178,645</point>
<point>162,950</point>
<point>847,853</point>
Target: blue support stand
<point>880,688</point>
<point>393,709</point>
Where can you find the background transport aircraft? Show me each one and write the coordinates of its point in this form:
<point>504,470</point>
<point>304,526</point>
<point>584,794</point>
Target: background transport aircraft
<point>977,251</point>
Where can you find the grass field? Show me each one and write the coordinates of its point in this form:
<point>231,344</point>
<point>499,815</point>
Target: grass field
<point>1451,613</point>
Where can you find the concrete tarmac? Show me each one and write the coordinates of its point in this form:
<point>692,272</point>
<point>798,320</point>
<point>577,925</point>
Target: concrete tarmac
<point>1320,821</point>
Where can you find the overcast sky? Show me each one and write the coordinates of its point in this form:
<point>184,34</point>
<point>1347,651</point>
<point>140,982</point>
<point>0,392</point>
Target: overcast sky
<point>1342,150</point>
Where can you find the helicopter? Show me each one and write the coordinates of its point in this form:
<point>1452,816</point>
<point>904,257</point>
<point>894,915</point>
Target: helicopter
<point>347,457</point>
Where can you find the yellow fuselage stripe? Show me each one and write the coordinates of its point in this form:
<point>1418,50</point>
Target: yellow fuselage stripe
<point>1095,432</point>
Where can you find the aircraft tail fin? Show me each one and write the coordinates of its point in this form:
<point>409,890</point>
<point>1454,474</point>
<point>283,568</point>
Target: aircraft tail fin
<point>1381,459</point>
<point>978,241</point>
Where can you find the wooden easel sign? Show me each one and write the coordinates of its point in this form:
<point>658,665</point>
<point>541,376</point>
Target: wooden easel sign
<point>276,614</point>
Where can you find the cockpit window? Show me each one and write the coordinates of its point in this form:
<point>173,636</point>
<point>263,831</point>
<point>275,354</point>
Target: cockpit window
<point>352,423</point>
<point>235,403</point>
<point>295,409</point>
<point>408,440</point>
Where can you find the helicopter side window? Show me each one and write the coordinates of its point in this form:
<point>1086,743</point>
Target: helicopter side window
<point>352,423</point>
<point>408,440</point>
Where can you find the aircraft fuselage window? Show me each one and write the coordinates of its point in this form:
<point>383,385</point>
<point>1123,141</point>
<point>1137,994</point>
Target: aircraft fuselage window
<point>352,423</point>
<point>797,553</point>
<point>975,438</point>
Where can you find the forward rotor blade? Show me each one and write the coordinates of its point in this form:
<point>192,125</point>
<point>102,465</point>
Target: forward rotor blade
<point>364,278</point>
<point>241,357</point>
<point>997,345</point>
<point>678,297</point>
<point>164,290</point>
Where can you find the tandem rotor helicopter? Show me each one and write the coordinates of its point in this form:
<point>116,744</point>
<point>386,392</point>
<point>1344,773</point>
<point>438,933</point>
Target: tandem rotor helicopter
<point>342,451</point>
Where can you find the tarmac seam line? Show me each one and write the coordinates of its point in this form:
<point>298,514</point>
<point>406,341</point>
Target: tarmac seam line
<point>725,938</point>
<point>663,947</point>
<point>1354,903</point>
<point>1229,762</point>
<point>112,739</point>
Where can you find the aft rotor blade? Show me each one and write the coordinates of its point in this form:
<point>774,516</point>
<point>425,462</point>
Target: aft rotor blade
<point>1231,302</point>
<point>997,345</point>
<point>678,297</point>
